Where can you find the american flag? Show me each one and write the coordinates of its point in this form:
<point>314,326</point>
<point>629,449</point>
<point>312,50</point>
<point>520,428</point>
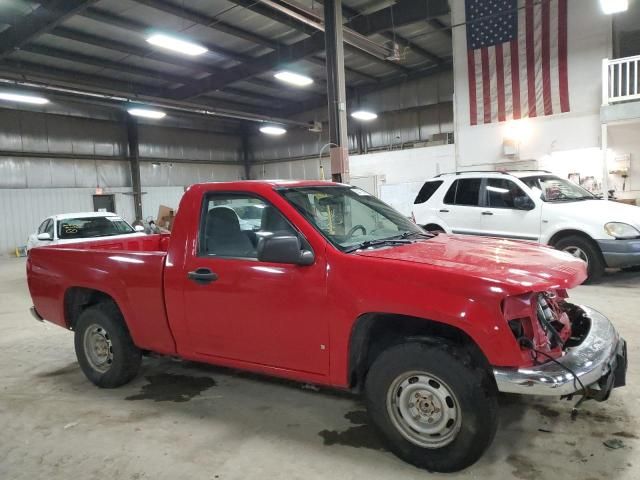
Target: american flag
<point>516,59</point>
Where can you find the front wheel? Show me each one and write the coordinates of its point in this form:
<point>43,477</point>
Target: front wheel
<point>583,249</point>
<point>433,407</point>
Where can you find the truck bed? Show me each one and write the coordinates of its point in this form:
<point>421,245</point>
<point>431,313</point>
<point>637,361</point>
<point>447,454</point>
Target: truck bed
<point>129,270</point>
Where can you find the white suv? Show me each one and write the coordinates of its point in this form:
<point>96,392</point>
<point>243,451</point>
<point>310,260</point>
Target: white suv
<point>536,206</point>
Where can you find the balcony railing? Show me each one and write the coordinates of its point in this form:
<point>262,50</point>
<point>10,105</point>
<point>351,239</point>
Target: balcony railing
<point>620,80</point>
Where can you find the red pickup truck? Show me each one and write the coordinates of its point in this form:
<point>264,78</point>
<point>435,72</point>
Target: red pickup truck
<point>323,283</point>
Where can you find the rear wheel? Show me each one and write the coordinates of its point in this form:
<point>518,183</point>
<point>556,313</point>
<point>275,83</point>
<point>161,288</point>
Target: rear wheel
<point>583,249</point>
<point>434,408</point>
<point>104,348</point>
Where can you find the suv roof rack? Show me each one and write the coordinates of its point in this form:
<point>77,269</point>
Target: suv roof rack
<point>503,172</point>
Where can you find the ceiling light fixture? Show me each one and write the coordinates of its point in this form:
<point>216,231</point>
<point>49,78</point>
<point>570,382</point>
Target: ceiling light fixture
<point>146,113</point>
<point>294,78</point>
<point>273,130</point>
<point>364,115</point>
<point>176,44</point>
<point>614,6</point>
<point>17,97</point>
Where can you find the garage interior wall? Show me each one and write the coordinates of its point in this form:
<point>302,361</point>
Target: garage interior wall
<point>53,163</point>
<point>413,113</point>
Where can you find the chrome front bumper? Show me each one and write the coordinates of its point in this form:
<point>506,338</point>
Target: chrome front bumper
<point>601,355</point>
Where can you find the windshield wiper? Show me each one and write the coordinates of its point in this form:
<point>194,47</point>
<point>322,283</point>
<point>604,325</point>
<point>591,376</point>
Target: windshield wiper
<point>378,243</point>
<point>416,234</point>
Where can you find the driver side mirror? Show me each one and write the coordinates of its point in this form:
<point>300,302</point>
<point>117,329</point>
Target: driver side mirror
<point>284,249</point>
<point>44,236</point>
<point>523,202</point>
<point>139,228</point>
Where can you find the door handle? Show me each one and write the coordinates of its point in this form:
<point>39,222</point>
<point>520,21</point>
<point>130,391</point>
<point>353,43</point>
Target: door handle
<point>487,213</point>
<point>202,276</point>
<point>444,210</point>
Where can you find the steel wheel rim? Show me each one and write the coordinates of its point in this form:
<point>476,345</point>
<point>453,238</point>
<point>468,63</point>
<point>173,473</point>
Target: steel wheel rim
<point>578,253</point>
<point>424,409</point>
<point>98,348</point>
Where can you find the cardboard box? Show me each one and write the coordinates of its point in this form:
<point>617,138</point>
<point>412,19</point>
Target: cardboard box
<point>165,218</point>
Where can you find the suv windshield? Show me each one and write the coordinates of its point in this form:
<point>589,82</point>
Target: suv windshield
<point>556,189</point>
<point>350,218</point>
<point>87,227</point>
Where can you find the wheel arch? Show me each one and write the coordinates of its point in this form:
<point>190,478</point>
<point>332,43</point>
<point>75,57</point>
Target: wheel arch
<point>374,332</point>
<point>433,226</point>
<point>567,232</point>
<point>78,299</point>
<point>559,235</point>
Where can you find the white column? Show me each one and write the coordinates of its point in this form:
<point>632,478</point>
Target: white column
<point>605,169</point>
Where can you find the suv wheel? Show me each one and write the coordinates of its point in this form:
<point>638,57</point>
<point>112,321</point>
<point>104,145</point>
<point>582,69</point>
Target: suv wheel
<point>433,407</point>
<point>583,249</point>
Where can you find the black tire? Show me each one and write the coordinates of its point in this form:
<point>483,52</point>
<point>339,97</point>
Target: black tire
<point>471,385</point>
<point>105,321</point>
<point>595,262</point>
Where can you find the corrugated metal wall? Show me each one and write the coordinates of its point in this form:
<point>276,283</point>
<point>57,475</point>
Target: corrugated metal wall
<point>409,113</point>
<point>53,164</point>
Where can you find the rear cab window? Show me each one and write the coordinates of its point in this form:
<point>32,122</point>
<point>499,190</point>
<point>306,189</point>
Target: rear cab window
<point>464,192</point>
<point>428,189</point>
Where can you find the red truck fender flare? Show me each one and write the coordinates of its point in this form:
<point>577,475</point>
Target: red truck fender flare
<point>373,332</point>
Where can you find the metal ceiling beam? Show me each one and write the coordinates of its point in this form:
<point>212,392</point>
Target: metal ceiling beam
<point>259,65</point>
<point>215,24</point>
<point>106,43</point>
<point>441,27</point>
<point>211,22</point>
<point>44,18</point>
<point>129,25</point>
<point>404,12</point>
<point>310,23</point>
<point>132,90</point>
<point>143,72</point>
<point>109,18</point>
<point>394,37</point>
<point>366,89</point>
<point>418,10</point>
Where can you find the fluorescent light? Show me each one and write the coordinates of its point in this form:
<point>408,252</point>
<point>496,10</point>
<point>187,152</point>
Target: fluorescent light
<point>16,97</point>
<point>294,78</point>
<point>364,115</point>
<point>272,130</point>
<point>614,6</point>
<point>176,44</point>
<point>146,113</point>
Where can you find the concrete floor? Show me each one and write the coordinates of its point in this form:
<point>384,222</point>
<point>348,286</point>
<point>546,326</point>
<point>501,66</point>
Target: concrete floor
<point>179,420</point>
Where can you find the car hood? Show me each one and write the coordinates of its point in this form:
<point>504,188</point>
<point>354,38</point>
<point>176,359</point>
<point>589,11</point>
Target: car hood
<point>519,266</point>
<point>600,211</point>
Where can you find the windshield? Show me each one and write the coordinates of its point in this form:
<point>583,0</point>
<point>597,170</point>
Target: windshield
<point>349,217</point>
<point>556,189</point>
<point>88,227</point>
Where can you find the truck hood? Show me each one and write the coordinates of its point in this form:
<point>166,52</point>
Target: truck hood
<point>598,211</point>
<point>519,266</point>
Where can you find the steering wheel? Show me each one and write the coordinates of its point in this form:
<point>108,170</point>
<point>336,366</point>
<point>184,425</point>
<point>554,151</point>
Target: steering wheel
<point>354,229</point>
